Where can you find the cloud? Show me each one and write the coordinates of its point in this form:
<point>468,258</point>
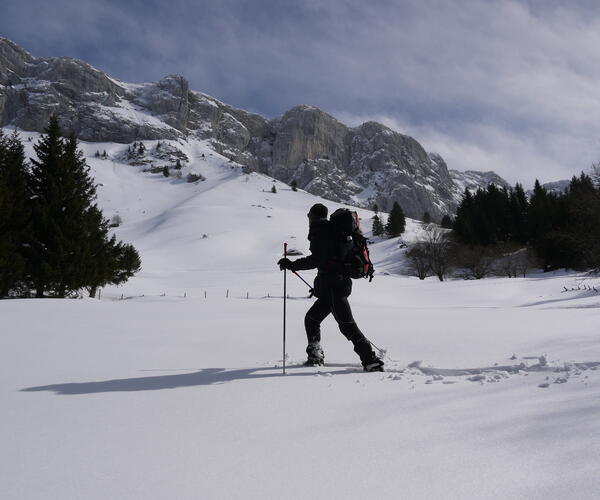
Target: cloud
<point>503,85</point>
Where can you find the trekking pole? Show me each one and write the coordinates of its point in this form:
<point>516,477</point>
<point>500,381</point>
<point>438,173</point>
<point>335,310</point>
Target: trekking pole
<point>284,302</point>
<point>305,282</point>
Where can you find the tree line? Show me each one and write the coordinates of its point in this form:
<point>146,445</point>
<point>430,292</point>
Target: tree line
<point>505,232</point>
<point>561,229</point>
<point>54,240</point>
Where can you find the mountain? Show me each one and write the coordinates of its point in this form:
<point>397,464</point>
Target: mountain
<point>363,165</point>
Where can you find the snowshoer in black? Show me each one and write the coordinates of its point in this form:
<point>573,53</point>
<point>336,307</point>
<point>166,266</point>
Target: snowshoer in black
<point>332,288</point>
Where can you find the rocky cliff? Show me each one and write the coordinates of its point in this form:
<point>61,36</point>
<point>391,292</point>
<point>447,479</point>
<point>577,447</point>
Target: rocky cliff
<point>363,165</point>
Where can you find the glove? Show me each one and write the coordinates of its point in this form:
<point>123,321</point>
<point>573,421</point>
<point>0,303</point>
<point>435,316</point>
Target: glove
<point>285,264</point>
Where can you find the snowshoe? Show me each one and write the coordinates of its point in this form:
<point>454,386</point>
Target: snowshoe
<point>314,362</point>
<point>368,358</point>
<point>316,356</point>
<point>374,365</point>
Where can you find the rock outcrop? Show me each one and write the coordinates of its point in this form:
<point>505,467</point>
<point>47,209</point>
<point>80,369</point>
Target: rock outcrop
<point>363,165</point>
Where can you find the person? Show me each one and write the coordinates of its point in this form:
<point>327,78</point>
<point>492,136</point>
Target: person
<point>332,289</point>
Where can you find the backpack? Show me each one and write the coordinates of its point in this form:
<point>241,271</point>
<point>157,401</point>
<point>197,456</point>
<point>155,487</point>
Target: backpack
<point>351,246</point>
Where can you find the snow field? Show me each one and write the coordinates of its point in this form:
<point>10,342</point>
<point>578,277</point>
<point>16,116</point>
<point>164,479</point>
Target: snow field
<point>493,392</point>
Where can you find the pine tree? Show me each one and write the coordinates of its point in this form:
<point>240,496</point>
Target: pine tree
<point>114,262</point>
<point>427,218</point>
<point>396,221</point>
<point>47,257</point>
<point>294,185</point>
<point>178,164</point>
<point>519,207</point>
<point>15,215</point>
<point>165,171</point>
<point>71,248</point>
<point>273,189</point>
<point>378,229</point>
<point>463,223</point>
<point>446,222</point>
<point>375,208</point>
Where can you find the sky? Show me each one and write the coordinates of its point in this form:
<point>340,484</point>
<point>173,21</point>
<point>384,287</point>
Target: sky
<point>510,86</point>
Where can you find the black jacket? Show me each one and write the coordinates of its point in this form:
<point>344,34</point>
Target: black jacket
<point>323,257</point>
<point>322,249</point>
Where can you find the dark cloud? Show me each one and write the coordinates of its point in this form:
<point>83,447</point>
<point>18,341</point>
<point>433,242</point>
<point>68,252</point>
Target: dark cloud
<point>509,86</point>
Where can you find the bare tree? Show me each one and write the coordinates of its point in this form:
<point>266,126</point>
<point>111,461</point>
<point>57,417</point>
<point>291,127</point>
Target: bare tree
<point>475,261</point>
<point>507,262</point>
<point>419,260</point>
<point>513,260</point>
<point>595,173</point>
<point>438,246</point>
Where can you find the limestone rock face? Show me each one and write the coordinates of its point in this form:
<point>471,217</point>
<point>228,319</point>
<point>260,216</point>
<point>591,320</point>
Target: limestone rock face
<point>361,166</point>
<point>166,99</point>
<point>307,133</point>
<point>13,60</point>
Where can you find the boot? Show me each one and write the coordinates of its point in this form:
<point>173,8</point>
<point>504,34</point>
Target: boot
<point>316,356</point>
<point>368,358</point>
<point>375,365</point>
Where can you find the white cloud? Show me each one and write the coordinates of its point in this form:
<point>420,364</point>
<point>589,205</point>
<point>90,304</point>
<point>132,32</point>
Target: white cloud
<point>504,85</point>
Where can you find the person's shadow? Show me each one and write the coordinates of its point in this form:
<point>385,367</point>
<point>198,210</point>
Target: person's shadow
<point>206,376</point>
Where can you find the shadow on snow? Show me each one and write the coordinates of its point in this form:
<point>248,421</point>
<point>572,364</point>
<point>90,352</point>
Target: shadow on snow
<point>206,376</point>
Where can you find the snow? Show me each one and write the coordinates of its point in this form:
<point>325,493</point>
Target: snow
<point>128,111</point>
<point>492,390</point>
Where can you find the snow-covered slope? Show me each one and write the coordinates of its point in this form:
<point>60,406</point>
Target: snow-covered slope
<point>176,391</point>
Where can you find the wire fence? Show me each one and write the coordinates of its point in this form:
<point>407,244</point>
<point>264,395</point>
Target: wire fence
<point>206,294</point>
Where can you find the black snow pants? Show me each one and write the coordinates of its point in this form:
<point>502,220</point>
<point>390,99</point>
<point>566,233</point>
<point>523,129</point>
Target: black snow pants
<point>332,297</point>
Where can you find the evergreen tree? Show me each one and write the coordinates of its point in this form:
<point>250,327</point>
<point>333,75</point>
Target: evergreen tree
<point>178,164</point>
<point>294,185</point>
<point>165,171</point>
<point>114,262</point>
<point>15,215</point>
<point>463,226</point>
<point>47,257</point>
<point>71,249</point>
<point>273,189</point>
<point>378,229</point>
<point>396,221</point>
<point>519,207</point>
<point>427,218</point>
<point>446,222</point>
<point>375,208</point>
